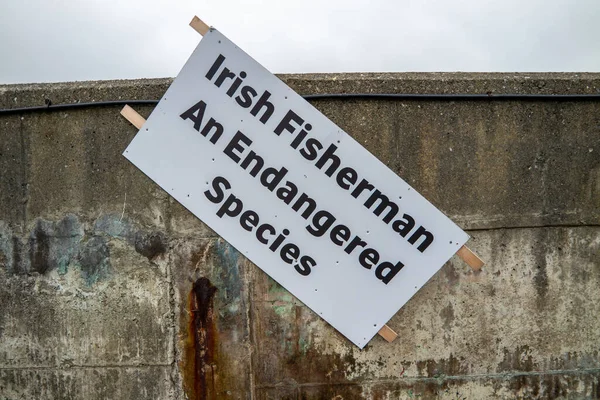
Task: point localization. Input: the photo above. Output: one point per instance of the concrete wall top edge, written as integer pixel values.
(35, 94)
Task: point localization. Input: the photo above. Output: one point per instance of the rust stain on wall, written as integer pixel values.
(199, 356)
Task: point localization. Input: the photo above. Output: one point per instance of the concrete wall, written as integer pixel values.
(111, 290)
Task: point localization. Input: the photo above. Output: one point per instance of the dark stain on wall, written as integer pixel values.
(452, 366)
(401, 389)
(17, 259)
(199, 358)
(452, 277)
(540, 279)
(150, 245)
(39, 249)
(447, 315)
(574, 360)
(553, 387)
(519, 360)
(49, 246)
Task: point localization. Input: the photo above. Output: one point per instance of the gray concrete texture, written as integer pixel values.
(109, 289)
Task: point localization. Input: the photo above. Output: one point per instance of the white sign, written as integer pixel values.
(291, 191)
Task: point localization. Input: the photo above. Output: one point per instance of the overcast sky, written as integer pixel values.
(68, 40)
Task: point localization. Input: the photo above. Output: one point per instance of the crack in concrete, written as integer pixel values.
(503, 376)
(175, 381)
(24, 180)
(532, 227)
(494, 228)
(84, 366)
(253, 340)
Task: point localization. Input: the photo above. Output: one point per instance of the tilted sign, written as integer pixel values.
(291, 191)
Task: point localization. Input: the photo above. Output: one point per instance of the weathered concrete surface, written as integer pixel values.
(530, 313)
(110, 289)
(13, 191)
(150, 382)
(81, 311)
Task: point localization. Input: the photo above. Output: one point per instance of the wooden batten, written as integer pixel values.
(133, 117)
(388, 333)
(199, 26)
(470, 258)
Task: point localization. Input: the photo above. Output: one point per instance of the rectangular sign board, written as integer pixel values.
(291, 191)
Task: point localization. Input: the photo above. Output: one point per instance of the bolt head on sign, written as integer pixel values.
(291, 191)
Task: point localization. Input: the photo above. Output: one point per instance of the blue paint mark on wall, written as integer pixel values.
(227, 277)
(94, 259)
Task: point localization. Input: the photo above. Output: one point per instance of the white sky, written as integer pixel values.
(68, 40)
